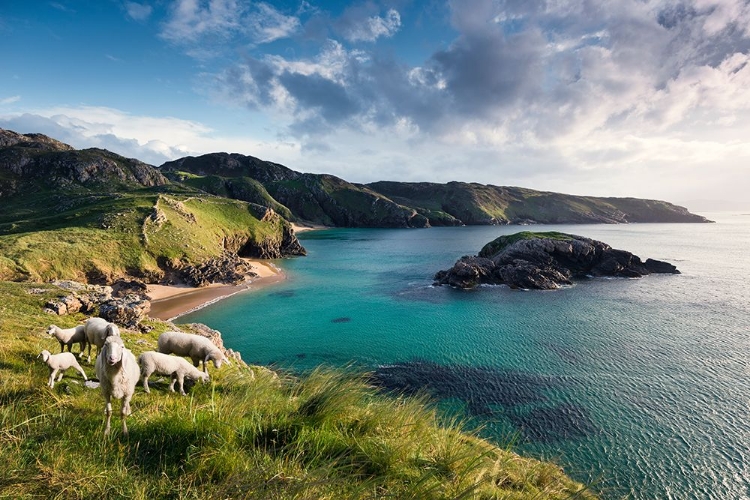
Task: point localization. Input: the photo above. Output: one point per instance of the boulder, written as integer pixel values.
(127, 311)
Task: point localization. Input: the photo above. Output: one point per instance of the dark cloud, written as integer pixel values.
(329, 98)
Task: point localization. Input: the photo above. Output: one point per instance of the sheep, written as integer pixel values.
(164, 364)
(118, 373)
(196, 347)
(97, 330)
(68, 337)
(60, 363)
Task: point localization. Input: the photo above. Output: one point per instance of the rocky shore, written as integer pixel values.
(545, 261)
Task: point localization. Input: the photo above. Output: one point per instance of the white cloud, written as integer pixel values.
(138, 11)
(268, 24)
(10, 100)
(374, 27)
(198, 23)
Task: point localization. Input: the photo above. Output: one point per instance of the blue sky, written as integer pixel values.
(647, 98)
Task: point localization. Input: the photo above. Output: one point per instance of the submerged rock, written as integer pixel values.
(545, 261)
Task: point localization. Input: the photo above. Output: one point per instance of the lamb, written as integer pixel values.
(196, 347)
(60, 363)
(118, 373)
(164, 364)
(97, 330)
(68, 337)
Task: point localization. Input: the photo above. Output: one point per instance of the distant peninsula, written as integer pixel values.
(545, 261)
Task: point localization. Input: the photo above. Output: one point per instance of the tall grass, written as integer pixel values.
(249, 433)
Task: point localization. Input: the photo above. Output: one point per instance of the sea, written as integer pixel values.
(639, 388)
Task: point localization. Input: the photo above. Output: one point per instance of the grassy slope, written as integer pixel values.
(246, 434)
(112, 236)
(500, 243)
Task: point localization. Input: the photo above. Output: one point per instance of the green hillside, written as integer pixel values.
(95, 216)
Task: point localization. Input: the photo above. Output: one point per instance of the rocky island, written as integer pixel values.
(545, 261)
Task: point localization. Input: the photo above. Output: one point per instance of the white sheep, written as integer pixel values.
(68, 337)
(196, 347)
(118, 373)
(164, 364)
(58, 363)
(97, 330)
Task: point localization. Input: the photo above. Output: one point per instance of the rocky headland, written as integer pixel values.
(546, 261)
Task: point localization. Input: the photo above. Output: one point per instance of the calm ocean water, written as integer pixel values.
(641, 387)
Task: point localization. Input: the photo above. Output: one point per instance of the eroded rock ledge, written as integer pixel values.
(545, 261)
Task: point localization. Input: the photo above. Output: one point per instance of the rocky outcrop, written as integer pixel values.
(127, 311)
(124, 302)
(280, 242)
(80, 297)
(545, 261)
(228, 268)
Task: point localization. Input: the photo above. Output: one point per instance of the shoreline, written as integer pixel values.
(169, 302)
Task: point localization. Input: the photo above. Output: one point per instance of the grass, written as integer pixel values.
(249, 433)
(101, 239)
(502, 242)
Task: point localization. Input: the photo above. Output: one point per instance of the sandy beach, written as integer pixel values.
(169, 302)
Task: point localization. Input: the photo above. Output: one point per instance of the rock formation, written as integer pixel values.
(545, 261)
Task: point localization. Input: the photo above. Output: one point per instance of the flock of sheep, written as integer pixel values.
(116, 367)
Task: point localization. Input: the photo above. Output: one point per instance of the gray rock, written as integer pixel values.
(545, 261)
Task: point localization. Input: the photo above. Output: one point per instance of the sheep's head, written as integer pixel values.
(44, 355)
(51, 329)
(112, 330)
(113, 350)
(218, 358)
(203, 377)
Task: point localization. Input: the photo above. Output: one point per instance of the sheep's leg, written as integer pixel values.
(145, 382)
(89, 355)
(83, 373)
(60, 376)
(181, 380)
(108, 412)
(62, 346)
(124, 412)
(171, 384)
(51, 382)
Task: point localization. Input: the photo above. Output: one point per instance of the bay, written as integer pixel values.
(639, 387)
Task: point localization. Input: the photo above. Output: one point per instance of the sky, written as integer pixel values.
(643, 98)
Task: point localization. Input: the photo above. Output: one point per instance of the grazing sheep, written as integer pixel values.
(97, 330)
(117, 370)
(164, 364)
(60, 363)
(68, 337)
(195, 347)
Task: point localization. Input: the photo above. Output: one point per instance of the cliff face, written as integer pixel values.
(545, 261)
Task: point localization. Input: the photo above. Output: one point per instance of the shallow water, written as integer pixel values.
(641, 387)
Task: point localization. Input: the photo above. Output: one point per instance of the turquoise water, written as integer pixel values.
(641, 387)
